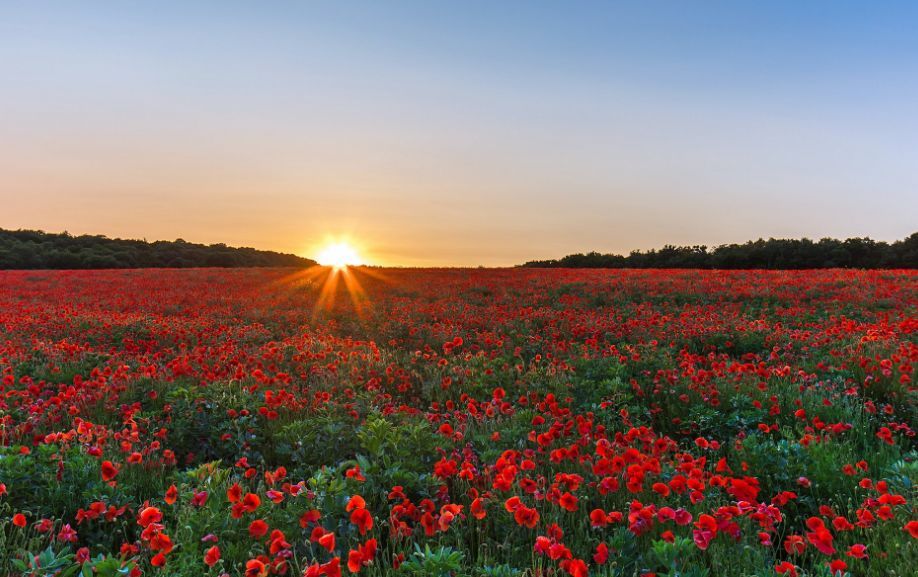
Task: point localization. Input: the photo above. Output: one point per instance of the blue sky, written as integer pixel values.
(460, 133)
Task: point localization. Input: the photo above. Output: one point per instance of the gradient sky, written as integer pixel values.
(460, 133)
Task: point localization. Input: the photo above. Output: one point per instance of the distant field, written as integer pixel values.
(456, 422)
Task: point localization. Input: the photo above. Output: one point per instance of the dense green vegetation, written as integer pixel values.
(33, 249)
(760, 254)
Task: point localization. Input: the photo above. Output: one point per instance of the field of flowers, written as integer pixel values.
(458, 423)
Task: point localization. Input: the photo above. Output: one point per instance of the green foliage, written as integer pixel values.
(398, 453)
(307, 443)
(33, 482)
(32, 249)
(439, 562)
(902, 475)
(498, 571)
(676, 559)
(63, 563)
(768, 254)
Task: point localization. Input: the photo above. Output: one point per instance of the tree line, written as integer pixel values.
(35, 249)
(757, 254)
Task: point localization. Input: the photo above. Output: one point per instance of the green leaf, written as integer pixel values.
(69, 571)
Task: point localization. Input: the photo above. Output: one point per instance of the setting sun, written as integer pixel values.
(338, 255)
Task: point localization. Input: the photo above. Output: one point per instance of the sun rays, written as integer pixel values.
(332, 283)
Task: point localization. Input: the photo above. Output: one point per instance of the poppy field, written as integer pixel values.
(458, 423)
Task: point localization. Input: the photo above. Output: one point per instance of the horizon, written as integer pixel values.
(461, 135)
(18, 251)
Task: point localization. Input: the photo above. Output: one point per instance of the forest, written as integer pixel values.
(34, 249)
(775, 254)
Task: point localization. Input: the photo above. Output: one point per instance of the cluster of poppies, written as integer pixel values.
(363, 421)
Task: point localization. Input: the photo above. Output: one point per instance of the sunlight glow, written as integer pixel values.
(334, 287)
(338, 255)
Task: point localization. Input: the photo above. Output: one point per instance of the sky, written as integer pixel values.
(460, 133)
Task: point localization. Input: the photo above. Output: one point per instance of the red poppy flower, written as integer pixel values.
(794, 545)
(602, 554)
(858, 551)
(161, 542)
(332, 568)
(250, 502)
(171, 495)
(255, 568)
(148, 516)
(842, 524)
(327, 540)
(355, 502)
(477, 508)
(258, 529)
(354, 561)
(568, 502)
(308, 517)
(67, 534)
(821, 539)
(362, 519)
(362, 556)
(109, 471)
(211, 556)
(526, 516)
(598, 518)
(706, 530)
(234, 493)
(661, 489)
(278, 542)
(575, 567)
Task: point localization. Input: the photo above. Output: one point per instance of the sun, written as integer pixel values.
(338, 255)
